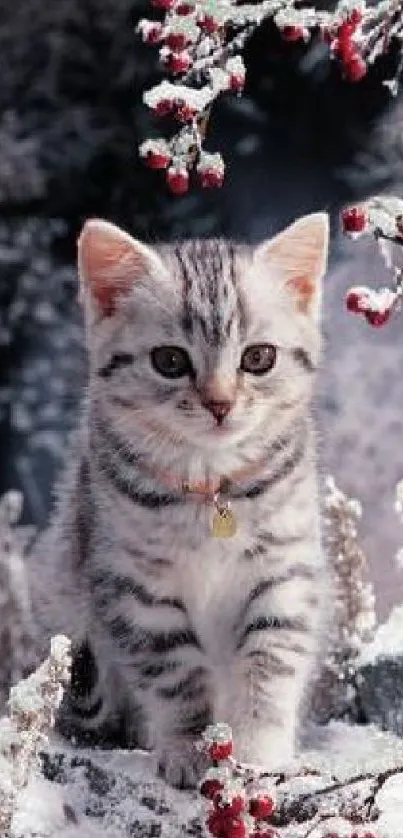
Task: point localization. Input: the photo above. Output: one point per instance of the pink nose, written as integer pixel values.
(219, 409)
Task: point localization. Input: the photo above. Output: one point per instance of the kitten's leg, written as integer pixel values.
(273, 660)
(179, 705)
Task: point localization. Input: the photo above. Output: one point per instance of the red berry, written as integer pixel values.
(211, 178)
(222, 826)
(176, 41)
(178, 62)
(178, 181)
(217, 824)
(153, 35)
(355, 68)
(264, 832)
(261, 807)
(292, 33)
(220, 750)
(345, 31)
(184, 9)
(185, 113)
(231, 809)
(163, 4)
(354, 220)
(344, 49)
(209, 24)
(164, 107)
(236, 82)
(356, 18)
(237, 830)
(377, 318)
(157, 160)
(355, 302)
(210, 788)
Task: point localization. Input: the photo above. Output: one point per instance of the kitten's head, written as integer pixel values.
(205, 341)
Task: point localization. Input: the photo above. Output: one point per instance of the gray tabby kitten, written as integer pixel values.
(202, 359)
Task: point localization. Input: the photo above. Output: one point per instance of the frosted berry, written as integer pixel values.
(344, 49)
(236, 829)
(232, 808)
(157, 160)
(178, 181)
(261, 806)
(377, 318)
(209, 24)
(220, 750)
(356, 303)
(164, 107)
(184, 113)
(154, 34)
(355, 68)
(210, 788)
(356, 18)
(217, 824)
(184, 9)
(178, 62)
(292, 33)
(163, 4)
(354, 220)
(222, 826)
(211, 178)
(345, 30)
(236, 82)
(176, 41)
(264, 832)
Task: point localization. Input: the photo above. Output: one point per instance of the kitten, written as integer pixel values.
(202, 359)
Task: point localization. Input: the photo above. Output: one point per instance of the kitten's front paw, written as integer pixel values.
(181, 764)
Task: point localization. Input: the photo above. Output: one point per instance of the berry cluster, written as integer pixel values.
(240, 803)
(201, 44)
(237, 807)
(381, 218)
(344, 42)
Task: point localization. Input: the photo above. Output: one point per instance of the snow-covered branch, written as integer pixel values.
(352, 619)
(31, 714)
(201, 45)
(243, 803)
(380, 217)
(17, 635)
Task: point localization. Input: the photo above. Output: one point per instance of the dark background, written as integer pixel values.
(301, 139)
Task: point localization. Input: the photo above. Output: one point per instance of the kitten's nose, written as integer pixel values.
(219, 409)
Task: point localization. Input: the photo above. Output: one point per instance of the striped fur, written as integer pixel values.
(171, 627)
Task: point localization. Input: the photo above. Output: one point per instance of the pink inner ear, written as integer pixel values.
(303, 289)
(109, 263)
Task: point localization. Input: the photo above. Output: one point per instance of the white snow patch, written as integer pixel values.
(388, 640)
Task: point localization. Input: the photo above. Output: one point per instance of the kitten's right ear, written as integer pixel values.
(109, 262)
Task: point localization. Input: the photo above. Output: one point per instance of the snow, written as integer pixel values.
(388, 640)
(116, 793)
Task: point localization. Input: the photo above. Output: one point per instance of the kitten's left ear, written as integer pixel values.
(109, 263)
(299, 255)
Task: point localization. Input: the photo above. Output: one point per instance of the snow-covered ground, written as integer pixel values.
(116, 794)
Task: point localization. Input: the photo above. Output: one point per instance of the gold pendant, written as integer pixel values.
(224, 523)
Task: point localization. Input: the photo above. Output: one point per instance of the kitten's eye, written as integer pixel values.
(259, 358)
(171, 361)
